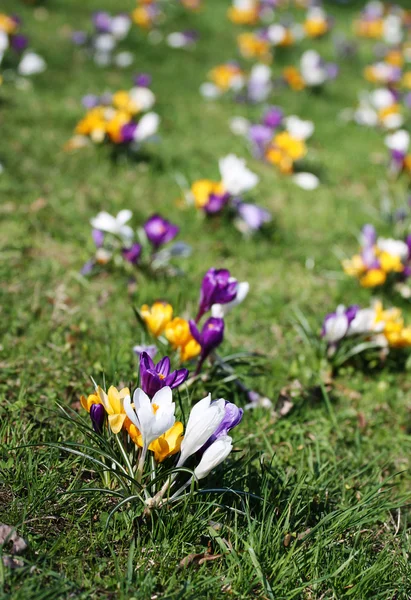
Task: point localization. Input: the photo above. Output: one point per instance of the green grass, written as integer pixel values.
(332, 520)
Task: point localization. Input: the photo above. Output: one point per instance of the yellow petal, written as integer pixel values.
(116, 422)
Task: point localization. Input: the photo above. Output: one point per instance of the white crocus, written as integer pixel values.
(393, 247)
(306, 181)
(205, 417)
(123, 59)
(143, 97)
(335, 327)
(31, 64)
(235, 175)
(219, 311)
(120, 26)
(239, 125)
(312, 68)
(213, 456)
(299, 128)
(364, 322)
(209, 90)
(147, 126)
(276, 34)
(400, 141)
(104, 43)
(259, 83)
(151, 417)
(115, 225)
(4, 43)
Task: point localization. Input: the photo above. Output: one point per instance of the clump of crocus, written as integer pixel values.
(227, 77)
(117, 243)
(14, 48)
(317, 23)
(378, 108)
(398, 144)
(354, 330)
(313, 72)
(143, 425)
(380, 260)
(147, 13)
(255, 45)
(380, 21)
(102, 43)
(213, 197)
(122, 119)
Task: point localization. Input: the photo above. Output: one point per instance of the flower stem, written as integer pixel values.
(126, 458)
(141, 462)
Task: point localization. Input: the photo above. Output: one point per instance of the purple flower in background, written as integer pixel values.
(143, 80)
(216, 203)
(79, 38)
(19, 42)
(132, 255)
(98, 237)
(88, 267)
(97, 416)
(102, 21)
(154, 377)
(217, 287)
(369, 238)
(150, 350)
(210, 337)
(90, 101)
(273, 117)
(332, 70)
(159, 231)
(254, 216)
(232, 418)
(127, 132)
(260, 136)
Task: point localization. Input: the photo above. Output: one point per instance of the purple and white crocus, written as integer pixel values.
(153, 377)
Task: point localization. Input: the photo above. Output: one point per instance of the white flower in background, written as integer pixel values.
(399, 141)
(120, 26)
(306, 181)
(276, 34)
(105, 43)
(221, 310)
(143, 97)
(123, 59)
(147, 126)
(102, 59)
(151, 417)
(312, 68)
(392, 30)
(209, 91)
(239, 125)
(393, 247)
(213, 456)
(205, 417)
(235, 175)
(177, 39)
(31, 64)
(115, 225)
(259, 83)
(299, 128)
(4, 43)
(364, 322)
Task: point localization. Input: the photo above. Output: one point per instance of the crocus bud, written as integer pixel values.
(213, 456)
(159, 231)
(217, 287)
(97, 416)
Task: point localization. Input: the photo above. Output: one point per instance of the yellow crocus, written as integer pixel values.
(354, 267)
(86, 403)
(122, 101)
(141, 17)
(243, 17)
(390, 263)
(294, 79)
(164, 446)
(190, 350)
(115, 125)
(292, 146)
(202, 190)
(7, 24)
(252, 46)
(179, 336)
(113, 403)
(315, 27)
(373, 278)
(222, 75)
(157, 316)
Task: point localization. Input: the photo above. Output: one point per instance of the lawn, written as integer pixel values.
(325, 509)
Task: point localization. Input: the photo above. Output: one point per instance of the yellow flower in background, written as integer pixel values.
(398, 336)
(179, 336)
(369, 29)
(115, 125)
(243, 17)
(86, 403)
(388, 111)
(406, 80)
(281, 160)
(390, 263)
(7, 24)
(251, 46)
(354, 267)
(202, 190)
(223, 75)
(94, 120)
(122, 101)
(294, 79)
(315, 27)
(373, 278)
(157, 316)
(394, 58)
(113, 403)
(291, 146)
(141, 17)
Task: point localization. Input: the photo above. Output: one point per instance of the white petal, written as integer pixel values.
(239, 125)
(31, 64)
(209, 90)
(124, 216)
(143, 97)
(298, 128)
(147, 126)
(130, 412)
(104, 222)
(213, 456)
(306, 181)
(235, 175)
(163, 397)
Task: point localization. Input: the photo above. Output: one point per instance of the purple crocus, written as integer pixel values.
(97, 416)
(154, 377)
(260, 136)
(79, 38)
(210, 337)
(128, 131)
(254, 216)
(369, 238)
(90, 101)
(159, 231)
(216, 203)
(19, 42)
(232, 418)
(143, 80)
(102, 21)
(88, 267)
(217, 287)
(132, 254)
(98, 237)
(273, 117)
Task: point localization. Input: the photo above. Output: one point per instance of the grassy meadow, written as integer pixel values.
(326, 514)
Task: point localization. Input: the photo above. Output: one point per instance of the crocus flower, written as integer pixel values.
(221, 310)
(97, 416)
(273, 117)
(179, 336)
(132, 254)
(159, 231)
(31, 64)
(336, 324)
(205, 417)
(151, 417)
(235, 175)
(142, 80)
(232, 418)
(19, 42)
(113, 402)
(169, 443)
(157, 316)
(154, 377)
(102, 21)
(211, 336)
(213, 456)
(217, 287)
(115, 225)
(150, 350)
(253, 216)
